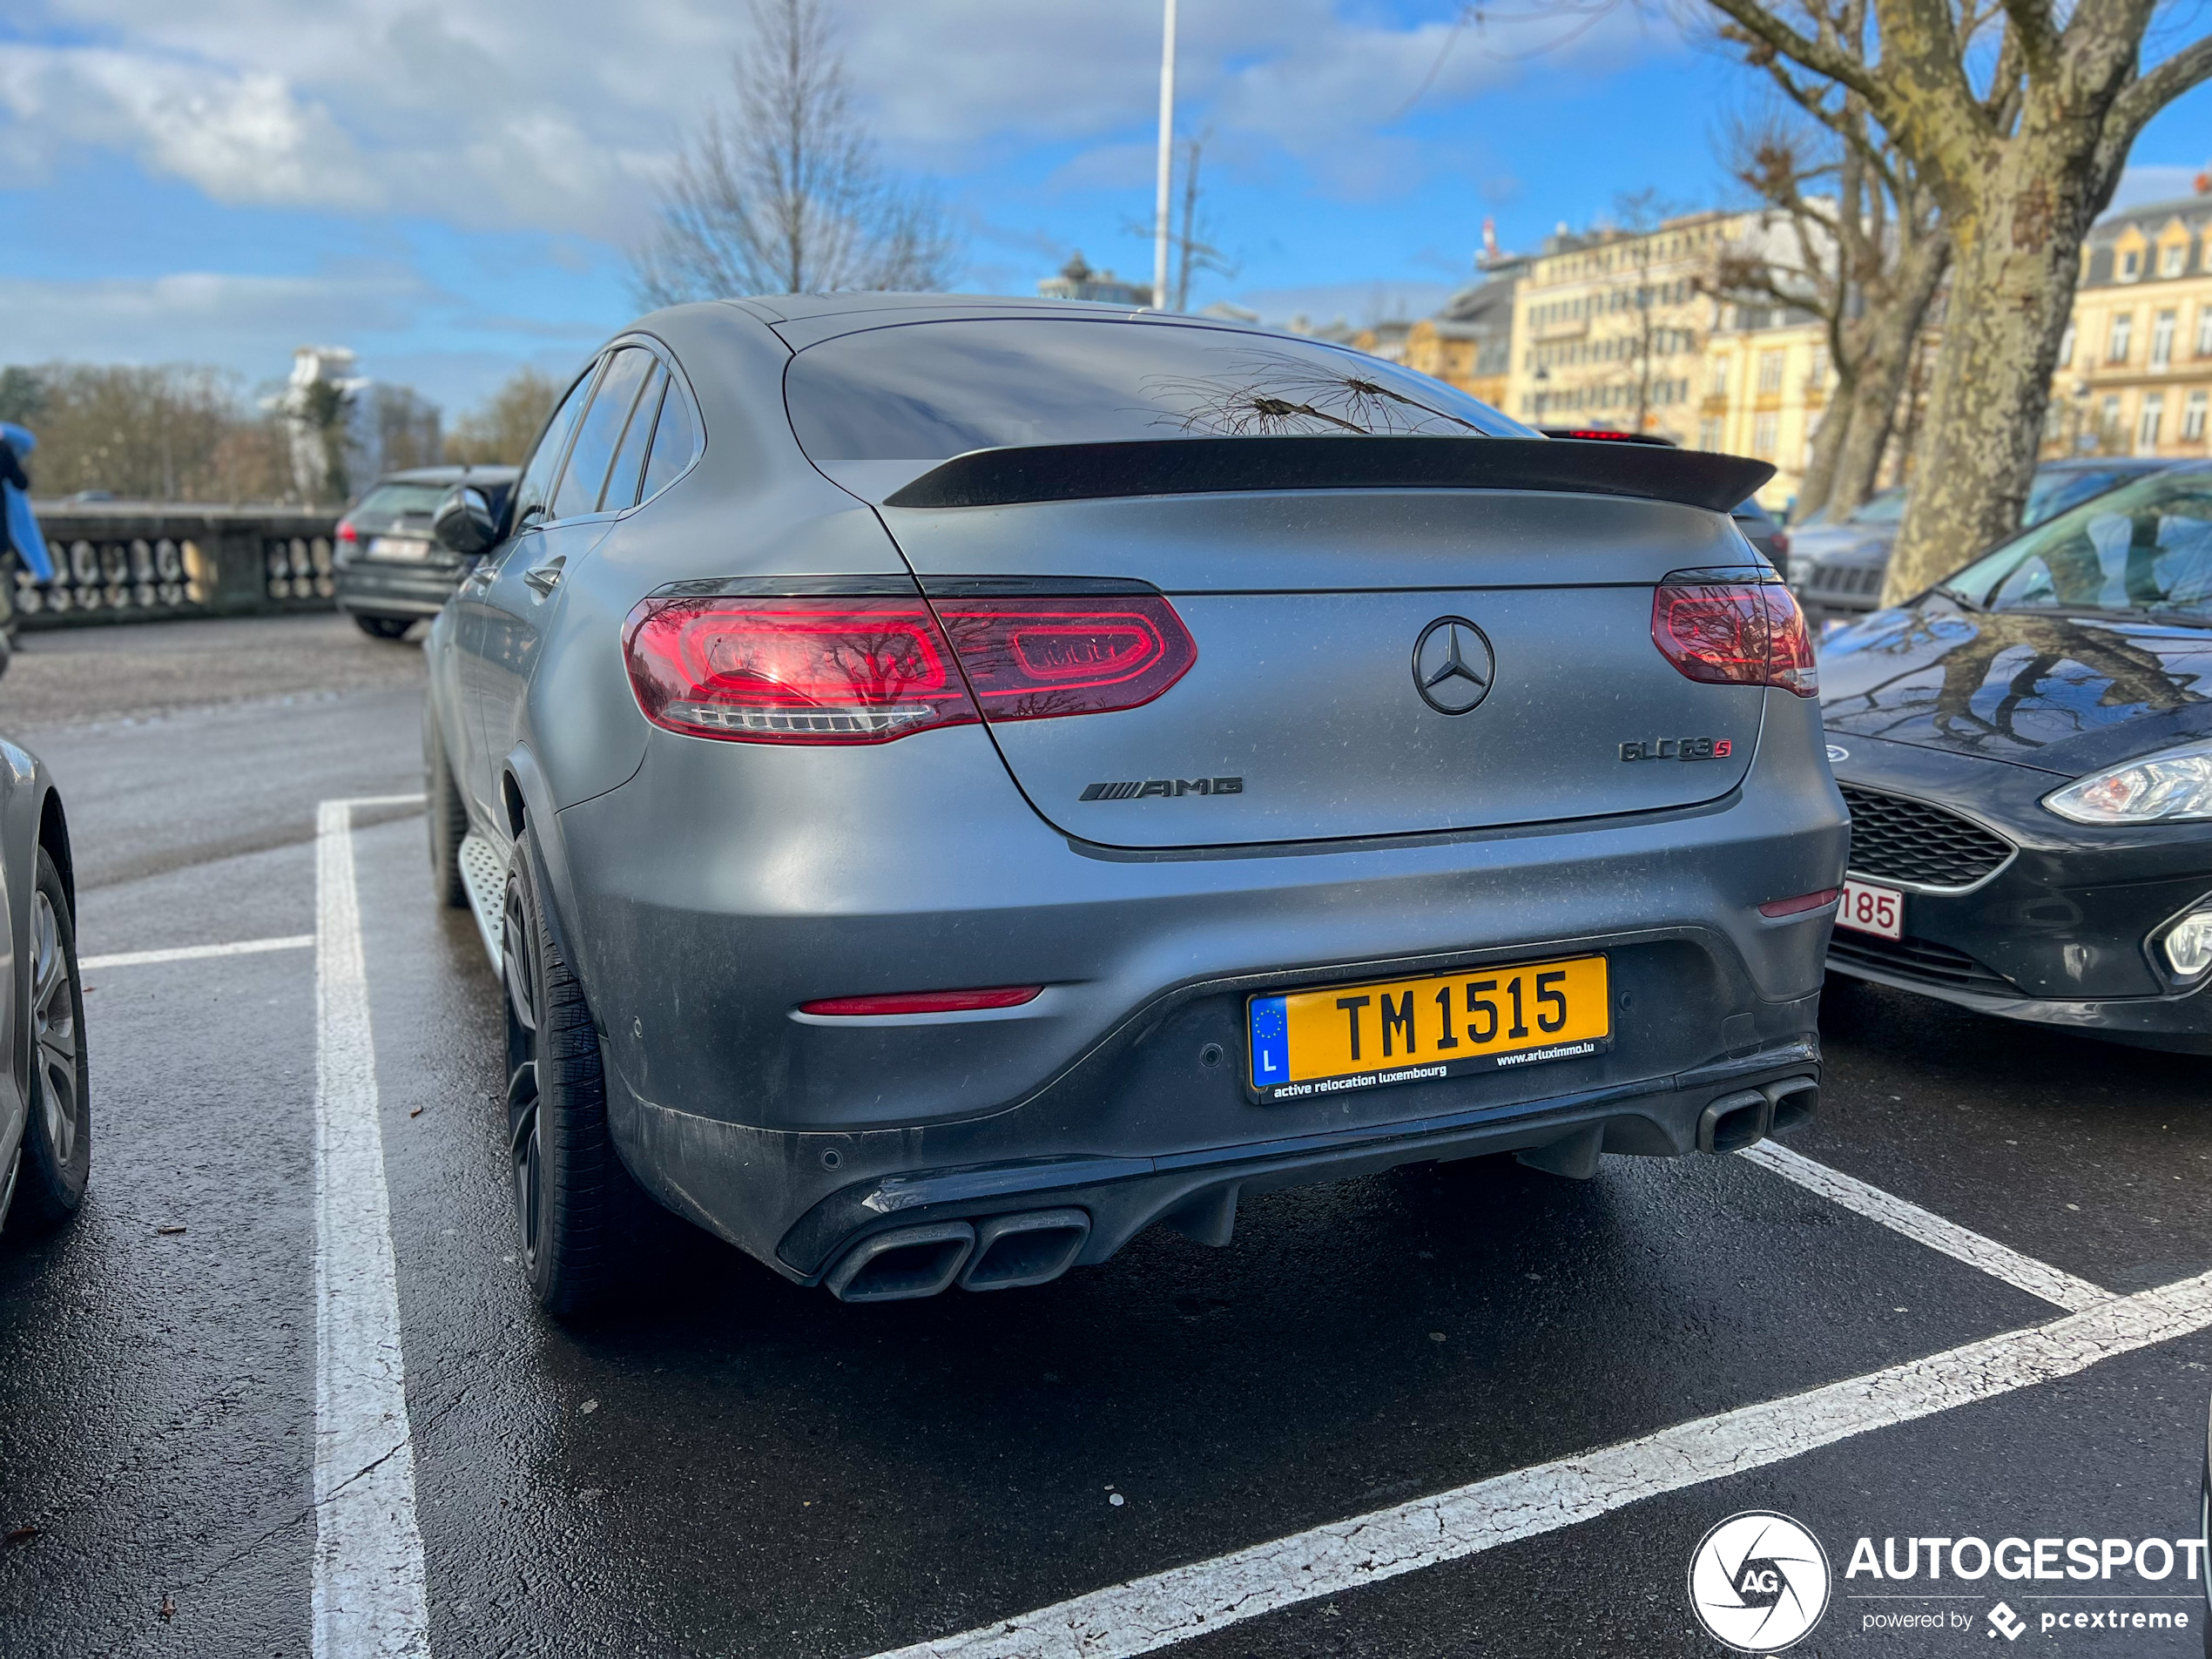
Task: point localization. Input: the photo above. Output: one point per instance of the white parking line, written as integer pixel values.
(369, 1594)
(195, 953)
(1148, 1614)
(1926, 1227)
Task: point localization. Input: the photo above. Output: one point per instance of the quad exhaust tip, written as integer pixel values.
(999, 1253)
(1736, 1121)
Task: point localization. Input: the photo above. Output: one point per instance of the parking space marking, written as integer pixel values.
(1146, 1614)
(195, 953)
(369, 1594)
(1926, 1227)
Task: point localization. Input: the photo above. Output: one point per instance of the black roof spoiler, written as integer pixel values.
(1210, 466)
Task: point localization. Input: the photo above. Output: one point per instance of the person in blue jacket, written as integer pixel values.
(19, 531)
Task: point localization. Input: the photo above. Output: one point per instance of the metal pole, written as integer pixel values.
(1167, 160)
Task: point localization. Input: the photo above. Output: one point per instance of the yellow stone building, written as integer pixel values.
(1764, 381)
(2134, 371)
(1599, 313)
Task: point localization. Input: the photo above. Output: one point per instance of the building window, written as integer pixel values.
(2204, 331)
(2108, 421)
(2122, 337)
(2170, 260)
(2161, 339)
(2146, 424)
(1709, 433)
(2066, 347)
(1717, 386)
(2193, 418)
(1770, 373)
(2131, 264)
(1766, 435)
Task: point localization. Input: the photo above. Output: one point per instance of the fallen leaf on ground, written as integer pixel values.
(417, 1112)
(20, 1536)
(166, 1231)
(168, 1605)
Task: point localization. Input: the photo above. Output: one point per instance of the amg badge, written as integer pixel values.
(1142, 789)
(1678, 749)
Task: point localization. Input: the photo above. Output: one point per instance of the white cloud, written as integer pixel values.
(558, 114)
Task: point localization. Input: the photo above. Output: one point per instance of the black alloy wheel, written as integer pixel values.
(57, 1158)
(384, 627)
(584, 1221)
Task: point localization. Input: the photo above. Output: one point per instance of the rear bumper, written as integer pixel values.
(1111, 1198)
(724, 885)
(389, 589)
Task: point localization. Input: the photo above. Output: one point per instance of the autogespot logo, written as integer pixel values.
(1758, 1581)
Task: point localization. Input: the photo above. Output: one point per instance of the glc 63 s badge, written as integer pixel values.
(1678, 749)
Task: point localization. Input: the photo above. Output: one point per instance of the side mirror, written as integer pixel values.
(464, 522)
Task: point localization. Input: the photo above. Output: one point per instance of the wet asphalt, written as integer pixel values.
(739, 1466)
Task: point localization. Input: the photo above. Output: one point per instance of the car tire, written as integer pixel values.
(384, 627)
(585, 1222)
(57, 1158)
(448, 819)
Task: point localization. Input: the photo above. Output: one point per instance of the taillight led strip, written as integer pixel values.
(828, 668)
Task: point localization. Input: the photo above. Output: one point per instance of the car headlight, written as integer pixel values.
(2173, 784)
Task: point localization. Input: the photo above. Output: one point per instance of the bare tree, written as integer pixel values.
(781, 192)
(501, 433)
(2018, 116)
(1850, 234)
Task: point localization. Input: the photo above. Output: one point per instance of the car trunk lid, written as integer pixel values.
(1303, 718)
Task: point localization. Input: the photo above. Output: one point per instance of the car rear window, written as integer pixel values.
(397, 501)
(928, 391)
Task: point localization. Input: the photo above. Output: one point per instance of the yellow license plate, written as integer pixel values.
(1409, 1030)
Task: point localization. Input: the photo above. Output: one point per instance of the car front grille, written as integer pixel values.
(1921, 960)
(1901, 839)
(1845, 581)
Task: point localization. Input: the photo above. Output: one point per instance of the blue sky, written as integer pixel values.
(450, 189)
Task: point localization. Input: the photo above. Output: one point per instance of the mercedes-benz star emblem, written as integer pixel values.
(1453, 665)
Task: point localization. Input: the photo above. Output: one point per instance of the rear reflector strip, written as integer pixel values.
(1005, 996)
(1802, 903)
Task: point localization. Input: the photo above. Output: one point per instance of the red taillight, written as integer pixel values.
(820, 670)
(1036, 659)
(1781, 540)
(793, 671)
(1006, 996)
(1733, 633)
(346, 532)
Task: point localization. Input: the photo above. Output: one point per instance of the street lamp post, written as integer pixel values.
(1167, 160)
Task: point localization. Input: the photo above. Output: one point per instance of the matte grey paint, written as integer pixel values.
(703, 889)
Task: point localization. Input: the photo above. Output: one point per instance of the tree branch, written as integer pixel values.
(1818, 56)
(2147, 96)
(2034, 36)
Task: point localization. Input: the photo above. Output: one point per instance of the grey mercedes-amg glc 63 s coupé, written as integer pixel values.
(953, 782)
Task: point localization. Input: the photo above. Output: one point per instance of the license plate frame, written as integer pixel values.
(1290, 1053)
(400, 550)
(1863, 905)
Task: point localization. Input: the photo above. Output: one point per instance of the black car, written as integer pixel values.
(2026, 751)
(391, 572)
